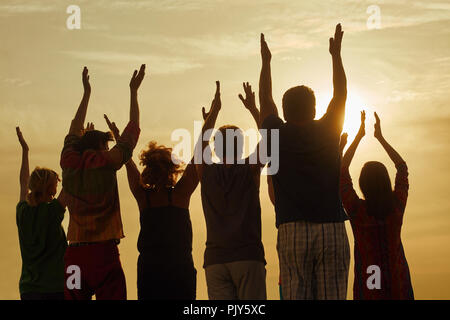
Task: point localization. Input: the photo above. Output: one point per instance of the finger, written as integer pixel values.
(377, 118)
(203, 112)
(242, 98)
(107, 120)
(217, 87)
(134, 74)
(337, 31)
(331, 42)
(142, 71)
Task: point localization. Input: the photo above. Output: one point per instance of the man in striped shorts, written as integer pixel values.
(312, 243)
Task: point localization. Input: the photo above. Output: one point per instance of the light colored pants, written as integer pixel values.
(314, 260)
(239, 280)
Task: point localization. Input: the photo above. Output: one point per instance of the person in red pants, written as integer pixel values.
(89, 179)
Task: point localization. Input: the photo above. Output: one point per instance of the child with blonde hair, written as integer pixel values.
(41, 237)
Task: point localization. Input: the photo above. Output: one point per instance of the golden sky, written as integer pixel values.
(402, 71)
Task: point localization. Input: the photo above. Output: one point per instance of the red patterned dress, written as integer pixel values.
(378, 242)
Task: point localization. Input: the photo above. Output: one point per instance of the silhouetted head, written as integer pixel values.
(94, 140)
(42, 185)
(233, 137)
(376, 186)
(160, 171)
(299, 104)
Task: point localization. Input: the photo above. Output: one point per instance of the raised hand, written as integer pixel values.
(249, 101)
(112, 126)
(335, 43)
(85, 79)
(216, 104)
(137, 78)
(377, 132)
(362, 129)
(266, 55)
(21, 139)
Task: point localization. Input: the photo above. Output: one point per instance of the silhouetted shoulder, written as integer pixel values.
(272, 122)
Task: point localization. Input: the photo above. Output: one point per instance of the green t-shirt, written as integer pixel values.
(43, 245)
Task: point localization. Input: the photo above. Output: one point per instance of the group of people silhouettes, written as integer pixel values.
(312, 193)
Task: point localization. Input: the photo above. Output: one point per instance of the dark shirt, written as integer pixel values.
(230, 198)
(42, 245)
(166, 234)
(306, 185)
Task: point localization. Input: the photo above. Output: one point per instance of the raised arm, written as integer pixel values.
(250, 102)
(395, 157)
(133, 175)
(336, 108)
(25, 167)
(209, 124)
(125, 144)
(347, 159)
(135, 83)
(343, 143)
(77, 124)
(266, 102)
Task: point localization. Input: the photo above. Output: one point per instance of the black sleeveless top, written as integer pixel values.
(166, 233)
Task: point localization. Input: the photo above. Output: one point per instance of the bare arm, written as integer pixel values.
(25, 167)
(135, 83)
(271, 191)
(133, 175)
(266, 102)
(116, 154)
(336, 108)
(77, 124)
(209, 124)
(343, 143)
(394, 155)
(348, 157)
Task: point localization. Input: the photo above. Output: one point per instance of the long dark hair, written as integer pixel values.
(376, 186)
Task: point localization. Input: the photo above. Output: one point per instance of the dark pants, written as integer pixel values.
(101, 272)
(169, 281)
(42, 296)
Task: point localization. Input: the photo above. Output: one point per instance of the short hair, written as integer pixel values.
(299, 104)
(160, 170)
(92, 140)
(220, 144)
(39, 182)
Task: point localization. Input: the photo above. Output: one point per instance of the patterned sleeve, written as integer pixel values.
(401, 184)
(128, 140)
(350, 199)
(69, 155)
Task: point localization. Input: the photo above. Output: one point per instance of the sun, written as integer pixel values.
(353, 107)
(355, 104)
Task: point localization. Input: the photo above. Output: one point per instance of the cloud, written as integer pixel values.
(159, 64)
(25, 8)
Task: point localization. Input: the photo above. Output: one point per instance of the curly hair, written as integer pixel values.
(41, 179)
(160, 168)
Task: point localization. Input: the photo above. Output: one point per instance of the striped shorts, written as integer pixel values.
(314, 260)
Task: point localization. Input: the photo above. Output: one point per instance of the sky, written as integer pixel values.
(401, 70)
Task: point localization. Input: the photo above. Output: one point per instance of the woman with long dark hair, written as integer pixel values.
(381, 269)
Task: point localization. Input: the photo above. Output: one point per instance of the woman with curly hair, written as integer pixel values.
(165, 264)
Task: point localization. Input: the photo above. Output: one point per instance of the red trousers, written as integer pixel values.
(100, 272)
